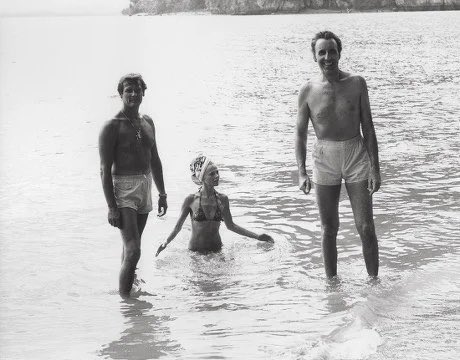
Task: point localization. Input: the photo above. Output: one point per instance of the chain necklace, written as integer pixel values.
(138, 131)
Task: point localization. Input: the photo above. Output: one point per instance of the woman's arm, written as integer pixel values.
(228, 219)
(185, 210)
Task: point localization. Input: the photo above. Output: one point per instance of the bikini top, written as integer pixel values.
(201, 216)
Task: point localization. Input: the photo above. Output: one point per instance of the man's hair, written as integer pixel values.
(326, 35)
(131, 78)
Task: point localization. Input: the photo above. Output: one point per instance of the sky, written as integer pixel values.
(61, 7)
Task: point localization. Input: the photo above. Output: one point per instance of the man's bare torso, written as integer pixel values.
(334, 107)
(132, 156)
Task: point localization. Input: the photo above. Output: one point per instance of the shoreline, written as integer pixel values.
(301, 12)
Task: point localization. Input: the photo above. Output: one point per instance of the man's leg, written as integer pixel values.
(131, 250)
(327, 198)
(141, 221)
(361, 203)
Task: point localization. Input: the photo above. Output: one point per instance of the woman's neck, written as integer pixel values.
(207, 190)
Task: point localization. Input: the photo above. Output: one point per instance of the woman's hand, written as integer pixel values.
(266, 238)
(161, 248)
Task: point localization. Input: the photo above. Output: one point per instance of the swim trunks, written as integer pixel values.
(133, 191)
(337, 160)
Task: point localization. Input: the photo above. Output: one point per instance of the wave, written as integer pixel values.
(400, 317)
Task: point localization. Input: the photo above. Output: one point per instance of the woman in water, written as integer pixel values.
(207, 208)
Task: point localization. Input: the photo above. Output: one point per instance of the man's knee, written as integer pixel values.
(330, 226)
(132, 254)
(330, 230)
(367, 232)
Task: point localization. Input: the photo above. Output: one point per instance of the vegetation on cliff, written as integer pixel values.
(245, 7)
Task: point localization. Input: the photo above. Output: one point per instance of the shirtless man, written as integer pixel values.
(129, 158)
(338, 105)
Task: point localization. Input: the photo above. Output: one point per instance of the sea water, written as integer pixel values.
(226, 86)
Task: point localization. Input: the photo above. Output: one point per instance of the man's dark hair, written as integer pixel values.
(326, 35)
(131, 78)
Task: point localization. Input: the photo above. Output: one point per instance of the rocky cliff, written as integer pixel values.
(247, 7)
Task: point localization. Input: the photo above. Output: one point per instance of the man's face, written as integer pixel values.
(132, 93)
(327, 55)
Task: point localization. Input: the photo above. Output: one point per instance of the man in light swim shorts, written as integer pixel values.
(337, 103)
(129, 159)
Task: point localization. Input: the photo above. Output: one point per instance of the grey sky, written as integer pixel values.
(61, 7)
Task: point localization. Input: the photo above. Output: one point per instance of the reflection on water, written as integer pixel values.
(227, 87)
(146, 336)
(335, 296)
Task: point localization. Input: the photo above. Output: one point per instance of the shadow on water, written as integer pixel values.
(146, 335)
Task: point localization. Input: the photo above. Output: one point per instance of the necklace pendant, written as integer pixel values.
(138, 135)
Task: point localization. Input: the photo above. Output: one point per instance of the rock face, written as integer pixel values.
(428, 5)
(248, 7)
(163, 6)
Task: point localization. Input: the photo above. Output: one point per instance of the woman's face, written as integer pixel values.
(211, 176)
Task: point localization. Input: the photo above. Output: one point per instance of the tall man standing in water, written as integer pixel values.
(337, 103)
(129, 158)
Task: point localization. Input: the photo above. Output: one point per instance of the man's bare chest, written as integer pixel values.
(327, 102)
(130, 136)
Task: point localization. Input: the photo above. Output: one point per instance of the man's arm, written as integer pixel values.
(157, 173)
(370, 139)
(107, 141)
(303, 117)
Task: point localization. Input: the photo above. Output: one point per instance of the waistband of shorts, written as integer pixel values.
(131, 177)
(340, 143)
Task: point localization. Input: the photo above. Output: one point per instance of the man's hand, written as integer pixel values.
(114, 217)
(373, 184)
(304, 183)
(162, 205)
(161, 248)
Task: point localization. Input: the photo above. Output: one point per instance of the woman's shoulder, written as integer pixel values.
(189, 199)
(222, 197)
